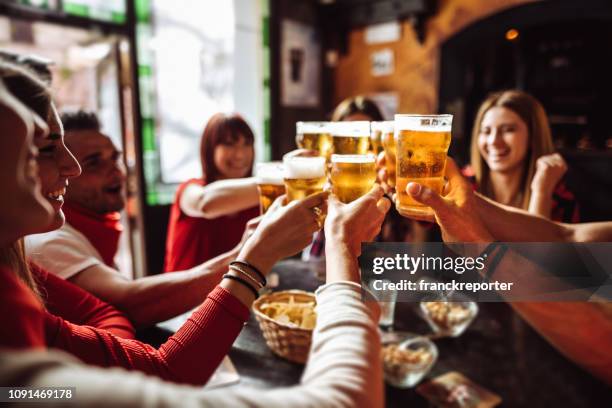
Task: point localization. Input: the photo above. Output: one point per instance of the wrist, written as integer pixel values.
(253, 255)
(340, 243)
(541, 190)
(341, 264)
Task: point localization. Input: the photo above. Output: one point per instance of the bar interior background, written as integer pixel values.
(417, 56)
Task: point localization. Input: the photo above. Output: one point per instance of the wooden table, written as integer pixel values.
(499, 351)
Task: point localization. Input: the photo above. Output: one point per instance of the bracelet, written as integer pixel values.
(245, 264)
(489, 249)
(495, 261)
(243, 283)
(247, 275)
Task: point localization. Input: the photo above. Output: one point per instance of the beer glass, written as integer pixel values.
(303, 176)
(421, 143)
(388, 143)
(376, 137)
(351, 137)
(270, 183)
(314, 136)
(352, 175)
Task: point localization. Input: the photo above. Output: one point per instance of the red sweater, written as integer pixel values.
(78, 306)
(191, 241)
(190, 356)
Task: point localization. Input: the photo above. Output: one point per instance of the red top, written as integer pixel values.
(190, 356)
(102, 230)
(191, 241)
(65, 299)
(564, 205)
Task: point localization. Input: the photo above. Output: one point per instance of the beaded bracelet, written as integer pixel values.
(243, 283)
(245, 264)
(247, 275)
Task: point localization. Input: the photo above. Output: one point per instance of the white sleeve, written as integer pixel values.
(64, 252)
(344, 369)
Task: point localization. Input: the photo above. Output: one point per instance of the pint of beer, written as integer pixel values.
(352, 175)
(314, 136)
(388, 143)
(270, 183)
(421, 142)
(376, 137)
(304, 176)
(351, 137)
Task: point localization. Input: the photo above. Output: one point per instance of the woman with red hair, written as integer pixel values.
(210, 213)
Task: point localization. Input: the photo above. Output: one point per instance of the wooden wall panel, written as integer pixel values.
(416, 65)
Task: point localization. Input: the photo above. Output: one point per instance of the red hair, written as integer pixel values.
(221, 129)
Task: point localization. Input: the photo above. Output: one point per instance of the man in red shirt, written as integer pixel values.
(84, 250)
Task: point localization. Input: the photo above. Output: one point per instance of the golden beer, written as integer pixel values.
(352, 176)
(388, 143)
(268, 193)
(351, 137)
(304, 176)
(314, 136)
(422, 143)
(270, 183)
(375, 140)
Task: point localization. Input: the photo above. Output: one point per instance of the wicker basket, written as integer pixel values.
(291, 343)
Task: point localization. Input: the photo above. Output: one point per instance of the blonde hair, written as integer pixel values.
(13, 257)
(531, 111)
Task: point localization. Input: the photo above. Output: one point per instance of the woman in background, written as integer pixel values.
(513, 160)
(357, 108)
(210, 213)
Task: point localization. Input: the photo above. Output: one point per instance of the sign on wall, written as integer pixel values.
(300, 70)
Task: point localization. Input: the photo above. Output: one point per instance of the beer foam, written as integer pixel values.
(270, 179)
(304, 167)
(269, 173)
(386, 126)
(353, 158)
(351, 129)
(313, 127)
(424, 123)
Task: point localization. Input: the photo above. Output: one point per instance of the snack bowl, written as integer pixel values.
(287, 319)
(407, 358)
(449, 317)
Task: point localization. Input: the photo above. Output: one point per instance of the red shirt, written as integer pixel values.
(190, 356)
(65, 299)
(102, 230)
(191, 241)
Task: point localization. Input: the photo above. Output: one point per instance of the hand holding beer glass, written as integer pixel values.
(422, 143)
(314, 136)
(351, 137)
(270, 183)
(352, 175)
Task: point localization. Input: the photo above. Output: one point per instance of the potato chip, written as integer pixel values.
(292, 313)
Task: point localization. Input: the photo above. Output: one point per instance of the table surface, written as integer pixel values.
(498, 351)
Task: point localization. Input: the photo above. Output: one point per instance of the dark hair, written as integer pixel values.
(26, 86)
(221, 129)
(80, 120)
(358, 104)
